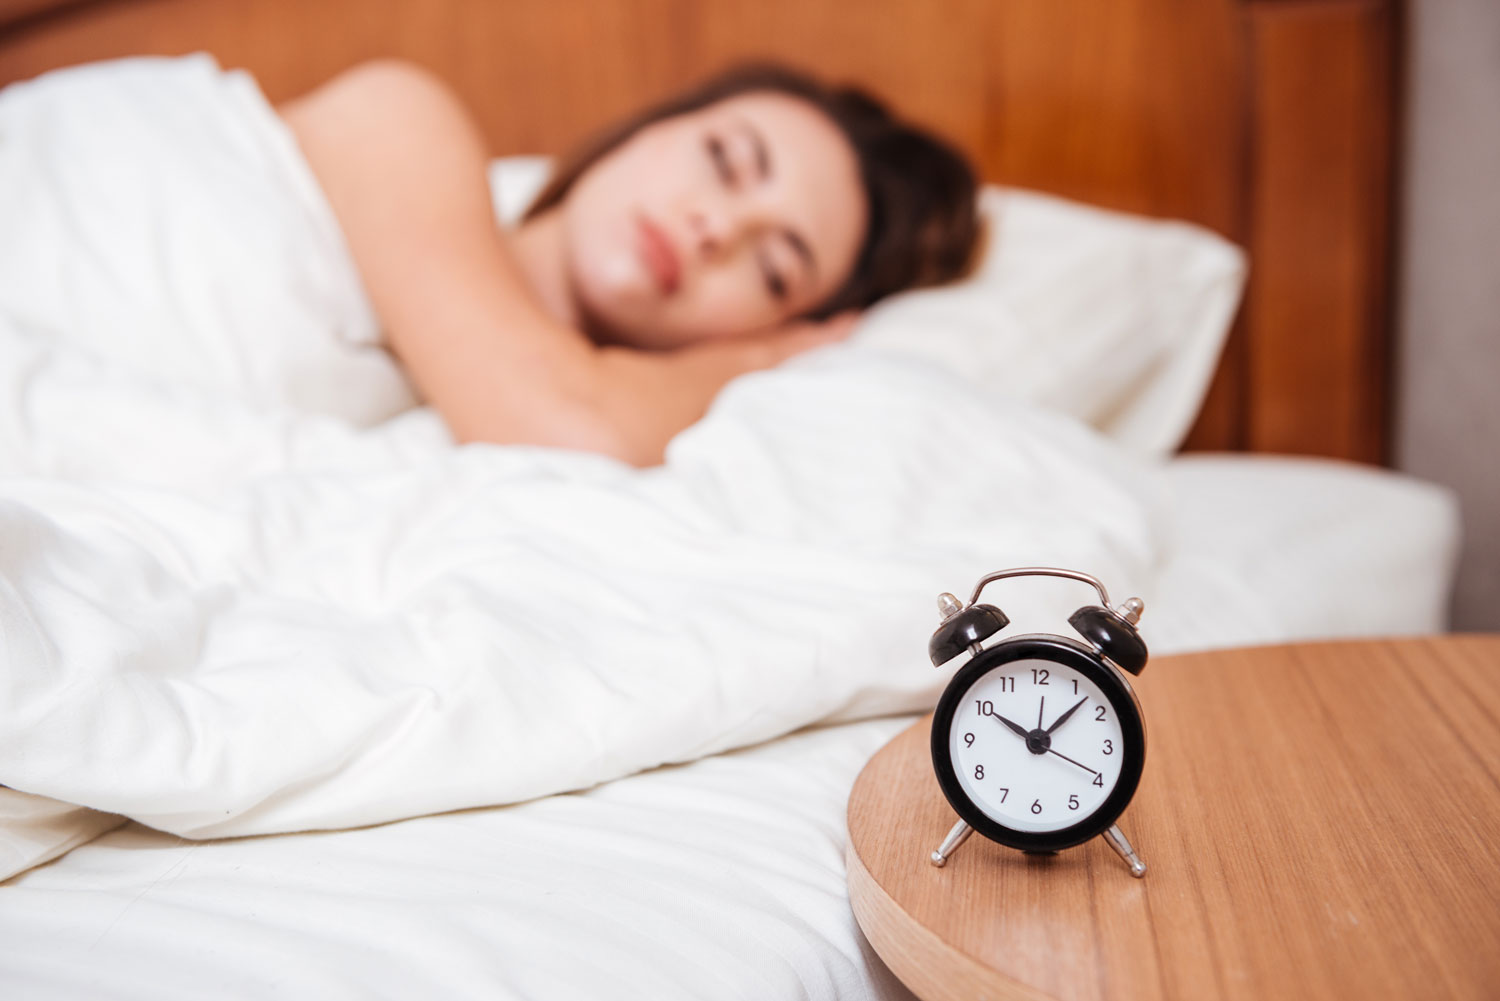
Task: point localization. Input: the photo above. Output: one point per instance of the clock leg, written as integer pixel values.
(1120, 844)
(956, 837)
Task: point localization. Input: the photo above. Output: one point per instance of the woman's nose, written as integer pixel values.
(716, 229)
(709, 233)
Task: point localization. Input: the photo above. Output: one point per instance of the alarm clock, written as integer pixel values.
(1038, 740)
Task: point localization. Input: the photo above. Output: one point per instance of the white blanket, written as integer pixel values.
(228, 607)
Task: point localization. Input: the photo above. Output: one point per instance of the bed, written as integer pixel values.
(721, 878)
(685, 851)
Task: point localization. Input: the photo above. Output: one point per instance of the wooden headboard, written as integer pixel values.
(1269, 121)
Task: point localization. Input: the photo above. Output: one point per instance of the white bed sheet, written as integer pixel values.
(719, 879)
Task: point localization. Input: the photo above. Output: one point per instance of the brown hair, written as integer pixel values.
(919, 191)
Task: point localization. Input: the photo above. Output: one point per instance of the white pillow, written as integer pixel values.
(1112, 318)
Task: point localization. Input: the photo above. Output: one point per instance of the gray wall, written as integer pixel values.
(1447, 420)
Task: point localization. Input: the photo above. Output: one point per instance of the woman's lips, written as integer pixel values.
(660, 256)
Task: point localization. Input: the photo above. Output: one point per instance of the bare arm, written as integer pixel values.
(404, 168)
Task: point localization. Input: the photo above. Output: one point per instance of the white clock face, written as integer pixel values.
(1037, 746)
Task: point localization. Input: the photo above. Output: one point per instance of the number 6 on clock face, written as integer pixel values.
(1038, 743)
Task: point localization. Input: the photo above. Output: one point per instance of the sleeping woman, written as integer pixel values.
(721, 232)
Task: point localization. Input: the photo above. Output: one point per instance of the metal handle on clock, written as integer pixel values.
(1041, 572)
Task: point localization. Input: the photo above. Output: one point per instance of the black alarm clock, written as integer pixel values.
(1038, 741)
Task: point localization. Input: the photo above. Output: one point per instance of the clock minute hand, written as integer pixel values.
(1080, 764)
(1064, 717)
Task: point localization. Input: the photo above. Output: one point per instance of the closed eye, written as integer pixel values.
(720, 158)
(775, 284)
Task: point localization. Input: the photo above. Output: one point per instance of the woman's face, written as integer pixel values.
(726, 220)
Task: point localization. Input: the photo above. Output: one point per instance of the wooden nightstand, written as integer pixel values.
(1320, 820)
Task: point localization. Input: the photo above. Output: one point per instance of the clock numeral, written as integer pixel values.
(1073, 802)
(1039, 677)
(1099, 713)
(1004, 793)
(1007, 683)
(1109, 747)
(1099, 780)
(985, 707)
(1075, 686)
(968, 740)
(979, 771)
(1036, 806)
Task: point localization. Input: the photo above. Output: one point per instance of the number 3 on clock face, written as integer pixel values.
(1039, 743)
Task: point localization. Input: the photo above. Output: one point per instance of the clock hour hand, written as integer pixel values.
(1064, 717)
(1020, 730)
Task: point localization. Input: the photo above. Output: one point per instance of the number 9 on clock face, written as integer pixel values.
(1038, 743)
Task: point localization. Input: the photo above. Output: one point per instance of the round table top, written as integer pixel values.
(1318, 820)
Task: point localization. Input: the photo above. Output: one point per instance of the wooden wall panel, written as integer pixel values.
(1261, 120)
(1320, 234)
(1127, 104)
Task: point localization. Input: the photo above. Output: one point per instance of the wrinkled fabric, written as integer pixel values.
(237, 598)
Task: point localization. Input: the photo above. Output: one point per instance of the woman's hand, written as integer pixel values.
(770, 349)
(652, 395)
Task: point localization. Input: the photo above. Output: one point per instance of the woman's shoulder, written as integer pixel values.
(403, 96)
(391, 76)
